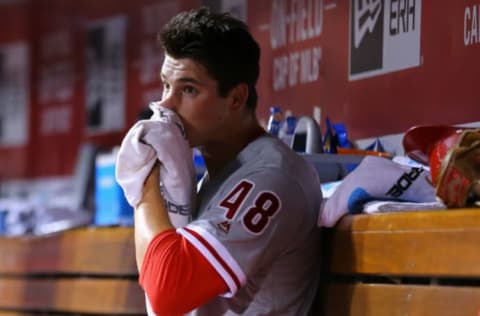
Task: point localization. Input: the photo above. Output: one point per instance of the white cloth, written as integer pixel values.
(397, 206)
(376, 179)
(161, 138)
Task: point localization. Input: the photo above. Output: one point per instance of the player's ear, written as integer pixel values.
(238, 96)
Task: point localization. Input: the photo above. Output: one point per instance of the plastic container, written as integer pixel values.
(288, 129)
(307, 137)
(111, 206)
(274, 121)
(341, 134)
(330, 140)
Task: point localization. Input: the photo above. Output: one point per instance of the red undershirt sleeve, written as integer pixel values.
(176, 277)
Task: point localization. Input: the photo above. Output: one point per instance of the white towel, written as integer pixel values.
(376, 179)
(161, 138)
(398, 206)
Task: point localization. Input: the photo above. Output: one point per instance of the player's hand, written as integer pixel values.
(152, 183)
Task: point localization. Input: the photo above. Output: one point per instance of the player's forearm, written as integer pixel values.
(151, 218)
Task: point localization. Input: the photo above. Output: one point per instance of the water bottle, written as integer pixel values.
(274, 121)
(330, 140)
(288, 129)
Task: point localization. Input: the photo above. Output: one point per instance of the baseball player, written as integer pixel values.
(253, 245)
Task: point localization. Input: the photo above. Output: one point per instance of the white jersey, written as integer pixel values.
(256, 225)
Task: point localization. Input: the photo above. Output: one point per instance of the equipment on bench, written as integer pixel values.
(453, 155)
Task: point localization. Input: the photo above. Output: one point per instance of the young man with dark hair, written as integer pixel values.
(253, 245)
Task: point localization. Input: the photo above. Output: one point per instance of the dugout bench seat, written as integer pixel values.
(409, 263)
(86, 271)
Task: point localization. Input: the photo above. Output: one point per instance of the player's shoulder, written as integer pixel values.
(270, 156)
(271, 165)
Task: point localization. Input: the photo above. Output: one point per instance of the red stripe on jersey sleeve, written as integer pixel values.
(216, 255)
(176, 277)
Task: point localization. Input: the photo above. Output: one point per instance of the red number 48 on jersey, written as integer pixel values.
(257, 215)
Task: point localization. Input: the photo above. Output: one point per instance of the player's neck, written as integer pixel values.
(217, 155)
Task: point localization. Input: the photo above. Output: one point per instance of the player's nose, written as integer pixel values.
(169, 101)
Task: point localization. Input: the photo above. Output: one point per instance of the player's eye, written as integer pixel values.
(190, 90)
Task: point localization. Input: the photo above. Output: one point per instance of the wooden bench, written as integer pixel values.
(82, 271)
(409, 263)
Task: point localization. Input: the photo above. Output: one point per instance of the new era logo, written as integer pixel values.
(366, 14)
(384, 36)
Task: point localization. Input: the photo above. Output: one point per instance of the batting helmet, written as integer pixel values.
(453, 154)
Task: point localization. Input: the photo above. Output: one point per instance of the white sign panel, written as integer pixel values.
(14, 94)
(384, 36)
(56, 82)
(105, 75)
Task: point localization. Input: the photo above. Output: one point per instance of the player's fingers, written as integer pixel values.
(153, 178)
